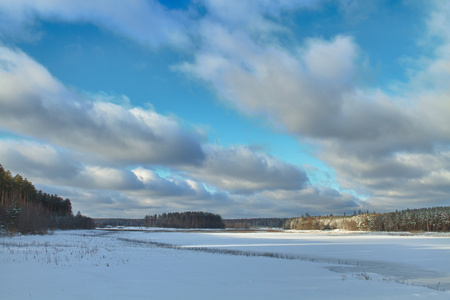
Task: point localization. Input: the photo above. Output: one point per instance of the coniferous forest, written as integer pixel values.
(188, 219)
(435, 219)
(255, 223)
(25, 209)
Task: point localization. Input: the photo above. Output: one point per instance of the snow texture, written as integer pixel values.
(208, 264)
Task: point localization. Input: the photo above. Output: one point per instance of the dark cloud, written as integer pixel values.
(241, 170)
(261, 185)
(314, 200)
(38, 161)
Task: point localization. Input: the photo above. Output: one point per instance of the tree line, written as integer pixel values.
(188, 219)
(424, 219)
(255, 223)
(25, 209)
(435, 219)
(114, 222)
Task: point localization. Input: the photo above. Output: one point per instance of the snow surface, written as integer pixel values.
(99, 264)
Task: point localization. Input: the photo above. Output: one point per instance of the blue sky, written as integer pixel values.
(243, 108)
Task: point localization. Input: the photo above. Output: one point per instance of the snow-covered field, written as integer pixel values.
(99, 264)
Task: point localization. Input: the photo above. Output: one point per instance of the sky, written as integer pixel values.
(242, 108)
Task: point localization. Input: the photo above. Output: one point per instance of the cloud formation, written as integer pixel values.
(106, 186)
(86, 147)
(147, 22)
(366, 134)
(241, 170)
(389, 145)
(35, 104)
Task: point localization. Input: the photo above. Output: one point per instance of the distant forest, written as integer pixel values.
(255, 223)
(114, 222)
(25, 209)
(184, 220)
(157, 221)
(435, 219)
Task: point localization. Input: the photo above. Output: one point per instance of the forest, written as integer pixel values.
(116, 222)
(435, 219)
(255, 223)
(25, 209)
(185, 220)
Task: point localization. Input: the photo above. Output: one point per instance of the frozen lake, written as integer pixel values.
(224, 265)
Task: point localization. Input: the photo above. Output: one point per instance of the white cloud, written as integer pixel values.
(147, 22)
(439, 20)
(391, 147)
(87, 149)
(364, 133)
(304, 92)
(35, 104)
